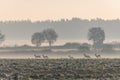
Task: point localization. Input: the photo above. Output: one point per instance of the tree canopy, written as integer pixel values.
(97, 35)
(37, 38)
(50, 35)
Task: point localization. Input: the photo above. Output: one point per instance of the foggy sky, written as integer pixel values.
(57, 9)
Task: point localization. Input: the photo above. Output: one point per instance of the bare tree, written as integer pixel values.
(37, 39)
(50, 36)
(97, 35)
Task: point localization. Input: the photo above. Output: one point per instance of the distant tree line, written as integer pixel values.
(64, 27)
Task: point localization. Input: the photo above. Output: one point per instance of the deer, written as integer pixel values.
(45, 57)
(97, 55)
(71, 57)
(86, 56)
(37, 56)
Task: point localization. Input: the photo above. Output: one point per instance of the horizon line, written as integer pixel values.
(28, 19)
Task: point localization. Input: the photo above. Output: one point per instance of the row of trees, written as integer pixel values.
(95, 34)
(49, 35)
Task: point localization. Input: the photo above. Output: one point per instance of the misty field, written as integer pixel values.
(60, 69)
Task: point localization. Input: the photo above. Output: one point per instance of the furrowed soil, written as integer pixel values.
(60, 69)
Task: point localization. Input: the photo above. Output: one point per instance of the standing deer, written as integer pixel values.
(37, 56)
(97, 55)
(70, 57)
(86, 56)
(45, 57)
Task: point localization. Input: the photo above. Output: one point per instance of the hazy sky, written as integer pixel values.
(57, 9)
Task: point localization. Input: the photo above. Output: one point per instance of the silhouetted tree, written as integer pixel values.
(50, 36)
(97, 35)
(37, 39)
(2, 37)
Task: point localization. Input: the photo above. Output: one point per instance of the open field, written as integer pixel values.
(29, 52)
(60, 69)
